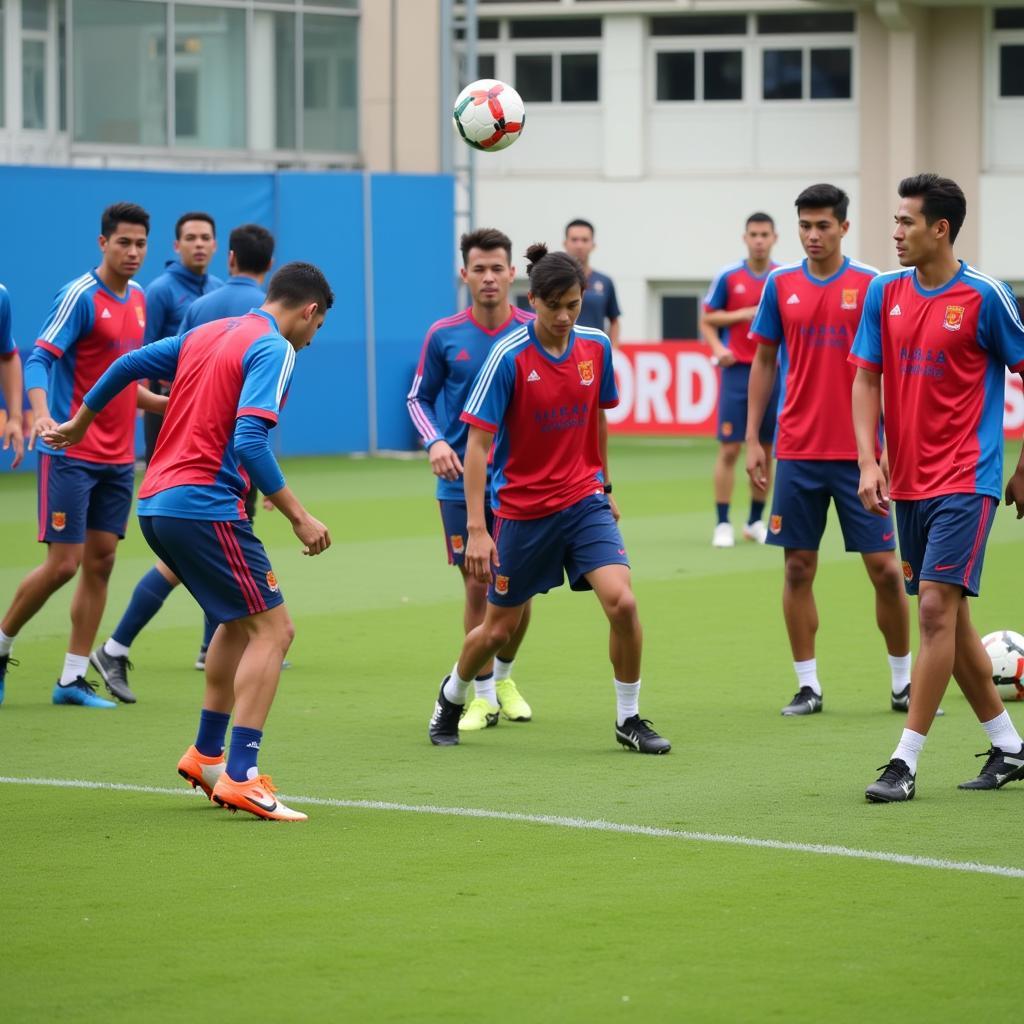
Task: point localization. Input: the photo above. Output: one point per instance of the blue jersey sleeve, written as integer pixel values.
(159, 359)
(1000, 330)
(7, 346)
(158, 300)
(252, 446)
(718, 293)
(71, 315)
(491, 392)
(867, 345)
(426, 386)
(267, 371)
(767, 324)
(611, 309)
(609, 396)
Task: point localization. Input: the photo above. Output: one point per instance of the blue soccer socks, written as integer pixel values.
(213, 727)
(245, 749)
(147, 599)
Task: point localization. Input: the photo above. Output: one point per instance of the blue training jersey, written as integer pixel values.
(235, 297)
(7, 345)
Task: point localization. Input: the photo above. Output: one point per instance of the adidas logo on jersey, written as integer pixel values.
(534, 375)
(896, 311)
(105, 315)
(739, 289)
(793, 300)
(462, 356)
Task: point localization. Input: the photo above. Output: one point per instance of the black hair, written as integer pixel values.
(818, 197)
(552, 274)
(579, 222)
(297, 284)
(253, 246)
(194, 215)
(486, 239)
(941, 199)
(122, 213)
(760, 218)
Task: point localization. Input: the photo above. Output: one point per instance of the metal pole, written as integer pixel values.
(447, 41)
(371, 320)
(472, 26)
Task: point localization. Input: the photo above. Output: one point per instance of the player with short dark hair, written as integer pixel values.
(249, 259)
(729, 307)
(453, 353)
(170, 294)
(539, 401)
(600, 303)
(12, 383)
(84, 496)
(937, 336)
(806, 322)
(231, 380)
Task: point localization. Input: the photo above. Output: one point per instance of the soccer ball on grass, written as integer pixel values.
(489, 115)
(1006, 649)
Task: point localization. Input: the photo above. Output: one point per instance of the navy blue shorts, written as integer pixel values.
(803, 488)
(75, 496)
(536, 553)
(943, 539)
(734, 382)
(453, 521)
(223, 565)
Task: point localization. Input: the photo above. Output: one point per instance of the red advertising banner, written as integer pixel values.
(671, 387)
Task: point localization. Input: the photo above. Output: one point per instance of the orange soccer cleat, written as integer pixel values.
(255, 796)
(199, 770)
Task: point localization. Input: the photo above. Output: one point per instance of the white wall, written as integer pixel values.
(1001, 213)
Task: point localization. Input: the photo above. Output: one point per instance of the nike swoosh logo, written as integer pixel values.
(622, 551)
(888, 536)
(268, 807)
(944, 568)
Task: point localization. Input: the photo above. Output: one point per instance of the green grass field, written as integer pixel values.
(149, 904)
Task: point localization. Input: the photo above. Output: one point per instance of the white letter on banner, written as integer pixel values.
(694, 374)
(653, 380)
(624, 384)
(1013, 407)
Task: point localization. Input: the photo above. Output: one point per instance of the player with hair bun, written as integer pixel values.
(539, 400)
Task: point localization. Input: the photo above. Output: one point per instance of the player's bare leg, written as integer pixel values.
(972, 668)
(59, 567)
(227, 646)
(801, 615)
(938, 606)
(892, 614)
(268, 634)
(725, 478)
(90, 597)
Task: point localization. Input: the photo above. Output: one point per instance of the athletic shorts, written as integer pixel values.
(223, 565)
(75, 496)
(535, 554)
(803, 488)
(943, 539)
(734, 382)
(456, 536)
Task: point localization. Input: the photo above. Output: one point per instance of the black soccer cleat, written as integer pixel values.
(896, 783)
(6, 661)
(999, 769)
(636, 734)
(444, 722)
(804, 702)
(901, 702)
(114, 673)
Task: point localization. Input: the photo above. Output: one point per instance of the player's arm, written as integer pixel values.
(615, 331)
(602, 445)
(481, 553)
(426, 386)
(759, 393)
(709, 332)
(867, 407)
(1015, 485)
(728, 317)
(11, 386)
(147, 401)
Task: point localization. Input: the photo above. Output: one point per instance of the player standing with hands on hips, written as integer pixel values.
(937, 336)
(540, 398)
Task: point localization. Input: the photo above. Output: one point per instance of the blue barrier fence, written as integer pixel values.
(385, 242)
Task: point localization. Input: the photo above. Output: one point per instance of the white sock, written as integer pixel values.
(115, 650)
(502, 669)
(456, 688)
(910, 746)
(484, 687)
(6, 643)
(627, 700)
(1002, 734)
(75, 665)
(807, 674)
(900, 668)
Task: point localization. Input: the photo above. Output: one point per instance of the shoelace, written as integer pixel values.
(993, 754)
(645, 725)
(264, 781)
(82, 683)
(892, 773)
(126, 662)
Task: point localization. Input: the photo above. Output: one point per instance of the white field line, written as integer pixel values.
(585, 824)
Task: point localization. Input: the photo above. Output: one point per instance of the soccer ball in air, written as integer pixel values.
(489, 115)
(1006, 649)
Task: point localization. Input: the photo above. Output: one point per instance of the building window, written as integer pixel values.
(1008, 23)
(275, 92)
(814, 23)
(680, 316)
(329, 84)
(782, 74)
(812, 73)
(1011, 69)
(699, 25)
(690, 75)
(535, 77)
(35, 44)
(677, 75)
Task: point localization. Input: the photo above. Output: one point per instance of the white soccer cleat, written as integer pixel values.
(723, 537)
(756, 531)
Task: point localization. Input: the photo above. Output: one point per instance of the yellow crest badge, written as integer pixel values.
(140, 315)
(58, 520)
(775, 524)
(272, 581)
(908, 572)
(458, 545)
(849, 298)
(501, 584)
(953, 318)
(586, 368)
(727, 429)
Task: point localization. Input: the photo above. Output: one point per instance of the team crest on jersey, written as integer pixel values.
(908, 572)
(140, 315)
(849, 298)
(501, 584)
(58, 520)
(953, 318)
(458, 545)
(727, 429)
(586, 368)
(271, 581)
(775, 524)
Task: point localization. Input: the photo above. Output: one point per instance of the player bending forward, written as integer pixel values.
(937, 335)
(542, 391)
(230, 380)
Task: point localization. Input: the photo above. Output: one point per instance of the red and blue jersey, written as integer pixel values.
(544, 411)
(813, 322)
(942, 355)
(7, 345)
(453, 353)
(88, 327)
(221, 372)
(736, 287)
